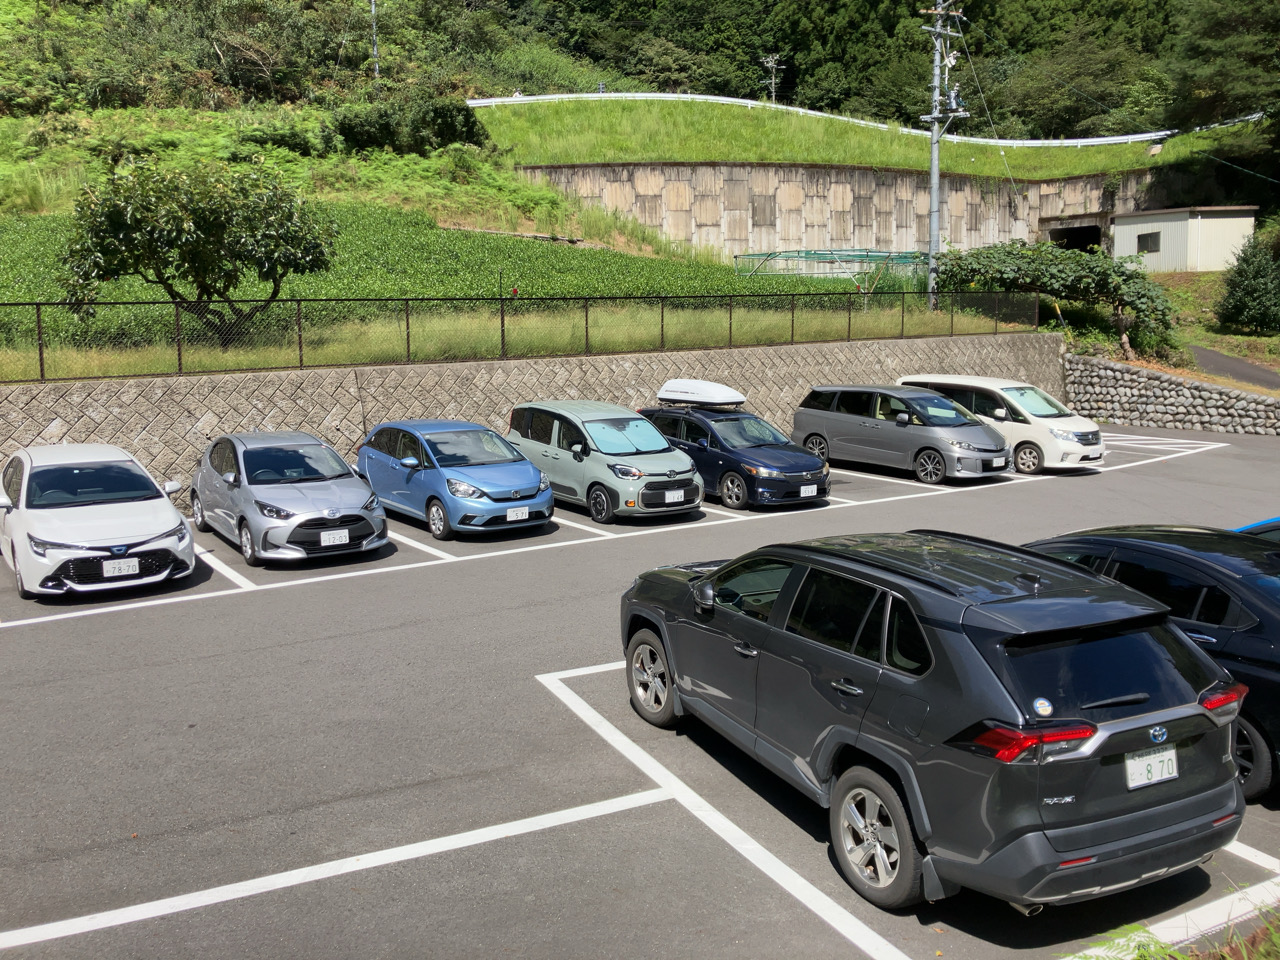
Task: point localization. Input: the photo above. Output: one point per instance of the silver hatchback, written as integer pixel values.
(284, 496)
(906, 427)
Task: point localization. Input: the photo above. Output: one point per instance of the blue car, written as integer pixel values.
(460, 477)
(1267, 529)
(742, 457)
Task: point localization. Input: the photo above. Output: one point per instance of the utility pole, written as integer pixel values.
(373, 12)
(772, 63)
(946, 106)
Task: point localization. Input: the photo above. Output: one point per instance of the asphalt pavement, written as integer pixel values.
(1237, 368)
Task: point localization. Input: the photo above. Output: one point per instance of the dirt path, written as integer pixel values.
(1222, 365)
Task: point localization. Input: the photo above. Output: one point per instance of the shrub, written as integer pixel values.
(1252, 297)
(414, 121)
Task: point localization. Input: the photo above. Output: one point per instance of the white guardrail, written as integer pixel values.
(765, 105)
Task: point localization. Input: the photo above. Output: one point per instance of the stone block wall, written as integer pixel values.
(1118, 393)
(167, 421)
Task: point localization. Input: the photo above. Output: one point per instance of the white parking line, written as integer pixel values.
(244, 583)
(723, 513)
(1264, 860)
(561, 521)
(1161, 458)
(841, 920)
(409, 541)
(324, 871)
(875, 476)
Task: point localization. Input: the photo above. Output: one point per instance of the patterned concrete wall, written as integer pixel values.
(167, 421)
(758, 208)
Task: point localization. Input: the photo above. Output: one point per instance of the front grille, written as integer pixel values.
(329, 523)
(675, 484)
(307, 534)
(514, 496)
(804, 477)
(1089, 438)
(655, 494)
(88, 570)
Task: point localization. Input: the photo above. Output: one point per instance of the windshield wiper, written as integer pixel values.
(1121, 701)
(98, 503)
(305, 479)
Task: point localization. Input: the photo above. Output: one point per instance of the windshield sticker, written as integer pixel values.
(1043, 707)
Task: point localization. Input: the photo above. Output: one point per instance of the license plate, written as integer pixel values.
(518, 513)
(1146, 767)
(120, 568)
(331, 538)
(998, 462)
(675, 496)
(809, 490)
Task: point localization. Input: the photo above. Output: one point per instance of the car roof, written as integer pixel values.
(433, 426)
(1238, 554)
(582, 409)
(1260, 525)
(272, 438)
(55, 453)
(892, 389)
(994, 383)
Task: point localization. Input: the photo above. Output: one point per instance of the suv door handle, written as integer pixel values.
(844, 686)
(746, 650)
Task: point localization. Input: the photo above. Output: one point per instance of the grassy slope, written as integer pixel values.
(1193, 295)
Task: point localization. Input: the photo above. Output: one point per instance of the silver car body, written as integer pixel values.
(289, 517)
(61, 531)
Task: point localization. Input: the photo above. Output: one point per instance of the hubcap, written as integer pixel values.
(649, 678)
(1027, 459)
(599, 505)
(198, 509)
(437, 519)
(870, 838)
(246, 542)
(930, 467)
(818, 447)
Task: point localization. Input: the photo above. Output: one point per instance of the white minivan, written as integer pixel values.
(1043, 433)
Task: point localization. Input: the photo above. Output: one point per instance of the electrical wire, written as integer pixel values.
(985, 109)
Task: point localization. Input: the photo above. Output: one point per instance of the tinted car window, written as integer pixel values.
(540, 423)
(830, 609)
(694, 431)
(961, 395)
(1095, 559)
(13, 480)
(384, 441)
(83, 485)
(668, 425)
(858, 403)
(569, 435)
(752, 587)
(222, 458)
(1176, 592)
(888, 408)
(520, 421)
(905, 647)
(818, 400)
(984, 404)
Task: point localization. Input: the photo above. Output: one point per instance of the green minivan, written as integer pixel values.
(606, 457)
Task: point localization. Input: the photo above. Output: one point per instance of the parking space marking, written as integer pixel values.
(324, 871)
(243, 582)
(1264, 860)
(841, 920)
(1160, 458)
(722, 513)
(409, 541)
(874, 476)
(561, 521)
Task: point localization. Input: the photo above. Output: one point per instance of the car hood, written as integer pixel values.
(104, 525)
(346, 495)
(653, 464)
(683, 572)
(979, 434)
(1073, 423)
(789, 458)
(503, 479)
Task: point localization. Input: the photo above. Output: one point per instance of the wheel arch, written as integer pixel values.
(860, 752)
(641, 619)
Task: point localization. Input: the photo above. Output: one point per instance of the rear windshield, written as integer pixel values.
(1100, 675)
(89, 484)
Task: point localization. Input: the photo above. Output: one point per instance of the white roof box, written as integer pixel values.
(701, 393)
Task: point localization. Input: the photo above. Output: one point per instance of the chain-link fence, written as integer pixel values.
(48, 341)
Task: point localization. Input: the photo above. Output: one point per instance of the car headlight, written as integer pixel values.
(543, 481)
(764, 472)
(272, 513)
(1066, 435)
(626, 472)
(40, 547)
(962, 444)
(373, 503)
(826, 469)
(463, 490)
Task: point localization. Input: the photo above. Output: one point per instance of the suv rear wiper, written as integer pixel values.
(1122, 701)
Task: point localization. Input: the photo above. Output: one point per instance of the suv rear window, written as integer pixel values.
(818, 400)
(1101, 675)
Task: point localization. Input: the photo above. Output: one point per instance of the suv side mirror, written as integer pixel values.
(703, 443)
(1000, 413)
(903, 418)
(578, 451)
(229, 478)
(410, 462)
(704, 595)
(171, 487)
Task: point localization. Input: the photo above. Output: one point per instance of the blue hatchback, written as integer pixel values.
(460, 477)
(742, 457)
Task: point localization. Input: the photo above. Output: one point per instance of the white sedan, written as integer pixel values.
(81, 517)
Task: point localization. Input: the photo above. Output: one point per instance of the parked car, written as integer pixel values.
(1223, 591)
(1042, 432)
(82, 517)
(743, 456)
(607, 457)
(904, 427)
(1267, 529)
(284, 496)
(460, 477)
(973, 714)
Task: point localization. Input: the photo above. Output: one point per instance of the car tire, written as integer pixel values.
(873, 840)
(600, 504)
(248, 549)
(929, 466)
(649, 679)
(23, 592)
(1028, 458)
(816, 444)
(1254, 762)
(438, 520)
(733, 491)
(198, 519)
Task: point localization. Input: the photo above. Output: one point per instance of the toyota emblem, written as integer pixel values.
(119, 551)
(671, 474)
(332, 514)
(1159, 734)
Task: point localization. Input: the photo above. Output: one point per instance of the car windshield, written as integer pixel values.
(941, 412)
(1036, 402)
(747, 431)
(87, 484)
(304, 463)
(626, 435)
(470, 448)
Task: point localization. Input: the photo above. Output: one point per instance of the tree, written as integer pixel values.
(198, 235)
(1251, 298)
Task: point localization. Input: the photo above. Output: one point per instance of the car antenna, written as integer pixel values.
(1032, 578)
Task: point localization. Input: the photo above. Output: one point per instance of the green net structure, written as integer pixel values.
(865, 267)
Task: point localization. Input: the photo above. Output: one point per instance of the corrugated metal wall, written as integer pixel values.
(1173, 231)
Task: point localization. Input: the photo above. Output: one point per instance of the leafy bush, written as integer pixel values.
(1252, 297)
(415, 121)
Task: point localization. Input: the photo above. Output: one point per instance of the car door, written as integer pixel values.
(818, 672)
(851, 425)
(535, 444)
(891, 443)
(697, 440)
(717, 651)
(571, 468)
(409, 484)
(11, 480)
(219, 495)
(376, 458)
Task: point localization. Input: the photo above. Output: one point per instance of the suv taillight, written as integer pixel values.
(1224, 701)
(991, 738)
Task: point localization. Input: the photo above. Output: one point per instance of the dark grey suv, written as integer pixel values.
(973, 714)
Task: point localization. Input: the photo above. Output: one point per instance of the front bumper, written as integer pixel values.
(770, 491)
(309, 535)
(83, 571)
(649, 495)
(970, 463)
(482, 515)
(1067, 456)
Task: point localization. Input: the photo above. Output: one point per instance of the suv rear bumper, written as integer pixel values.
(1030, 870)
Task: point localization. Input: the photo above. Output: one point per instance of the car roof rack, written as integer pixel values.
(699, 393)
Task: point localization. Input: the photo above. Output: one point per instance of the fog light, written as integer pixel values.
(1065, 457)
(631, 503)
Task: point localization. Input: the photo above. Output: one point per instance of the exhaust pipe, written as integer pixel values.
(1027, 909)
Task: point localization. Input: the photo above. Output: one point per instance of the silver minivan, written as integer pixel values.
(905, 427)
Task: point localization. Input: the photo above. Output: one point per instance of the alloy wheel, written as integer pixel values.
(599, 504)
(246, 541)
(435, 519)
(1244, 754)
(929, 467)
(733, 491)
(650, 678)
(817, 446)
(870, 837)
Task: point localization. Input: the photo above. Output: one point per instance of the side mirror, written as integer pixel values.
(171, 487)
(578, 451)
(229, 478)
(903, 418)
(703, 443)
(1000, 413)
(410, 462)
(704, 595)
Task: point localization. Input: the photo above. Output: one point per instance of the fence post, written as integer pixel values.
(177, 333)
(1037, 313)
(793, 318)
(408, 352)
(298, 324)
(952, 296)
(731, 321)
(586, 326)
(902, 331)
(40, 339)
(502, 326)
(662, 323)
(848, 334)
(996, 331)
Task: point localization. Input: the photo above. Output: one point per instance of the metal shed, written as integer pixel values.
(1183, 238)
